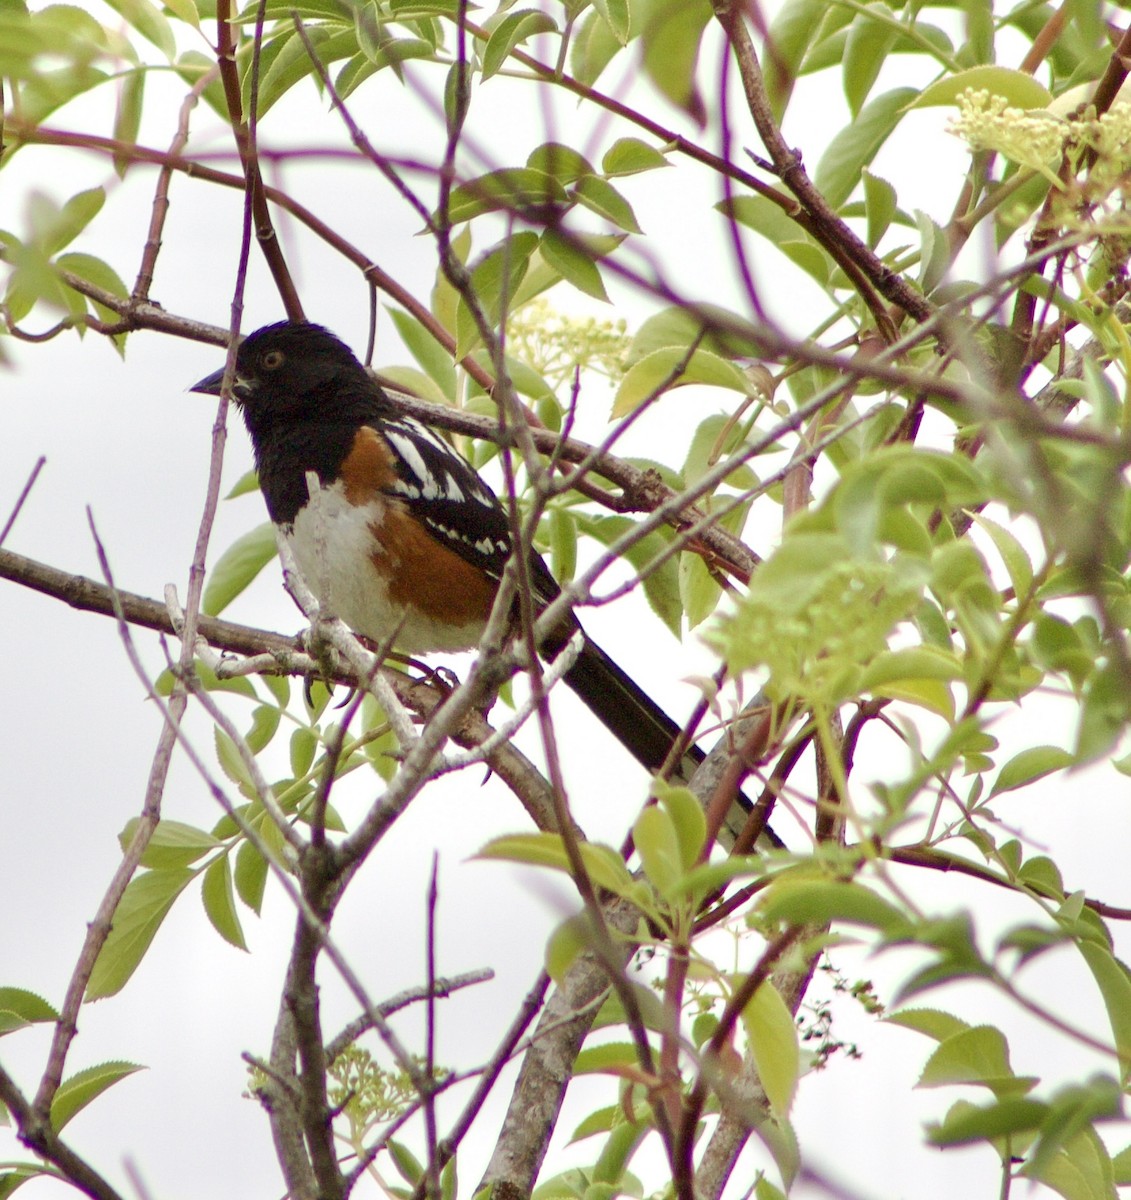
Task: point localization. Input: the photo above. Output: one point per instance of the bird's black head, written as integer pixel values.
(290, 370)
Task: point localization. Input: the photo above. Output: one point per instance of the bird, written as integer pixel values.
(402, 537)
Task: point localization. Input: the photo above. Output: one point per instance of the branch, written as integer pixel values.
(288, 658)
(834, 234)
(38, 1135)
(98, 929)
(547, 1067)
(747, 1096)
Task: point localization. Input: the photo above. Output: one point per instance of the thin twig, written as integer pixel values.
(25, 491)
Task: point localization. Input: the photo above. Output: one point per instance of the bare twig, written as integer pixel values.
(21, 499)
(98, 930)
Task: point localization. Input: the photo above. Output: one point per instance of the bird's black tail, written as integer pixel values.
(641, 725)
(627, 711)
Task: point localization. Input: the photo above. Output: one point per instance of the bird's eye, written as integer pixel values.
(273, 359)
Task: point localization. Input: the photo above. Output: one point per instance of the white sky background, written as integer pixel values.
(77, 735)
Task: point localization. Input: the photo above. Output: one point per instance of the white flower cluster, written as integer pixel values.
(1037, 138)
(1032, 138)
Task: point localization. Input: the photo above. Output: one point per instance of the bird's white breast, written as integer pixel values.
(336, 545)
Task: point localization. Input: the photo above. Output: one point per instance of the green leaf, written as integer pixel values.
(127, 118)
(238, 566)
(687, 818)
(18, 1173)
(772, 1034)
(407, 1164)
(820, 901)
(1121, 1165)
(1018, 87)
(143, 907)
(612, 1014)
(406, 10)
(616, 16)
(867, 46)
(514, 189)
(434, 358)
(173, 844)
(514, 29)
(239, 685)
(880, 206)
(608, 1057)
(710, 876)
(699, 591)
(449, 1184)
(629, 156)
(102, 275)
(714, 438)
(1032, 764)
(1013, 554)
(560, 161)
(149, 21)
(671, 33)
(568, 257)
(1069, 1155)
(75, 215)
(1041, 874)
(661, 584)
(854, 147)
(381, 50)
(671, 368)
(772, 222)
(913, 662)
(560, 531)
(934, 251)
(594, 46)
(264, 725)
(412, 382)
(1111, 977)
(569, 939)
(916, 675)
(1080, 1171)
(495, 279)
(1007, 1117)
(231, 762)
(979, 1055)
(285, 61)
(656, 842)
(35, 279)
(1105, 713)
(710, 325)
(601, 1120)
(1030, 940)
(601, 197)
(304, 745)
(604, 865)
(791, 34)
(930, 1021)
(957, 955)
(20, 1008)
(191, 67)
(220, 902)
(76, 1093)
(184, 10)
(611, 1167)
(248, 482)
(250, 876)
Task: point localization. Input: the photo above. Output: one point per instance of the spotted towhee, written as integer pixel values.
(403, 535)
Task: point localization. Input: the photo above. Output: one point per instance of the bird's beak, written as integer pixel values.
(210, 384)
